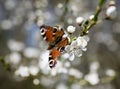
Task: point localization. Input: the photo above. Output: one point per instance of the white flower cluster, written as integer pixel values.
(93, 77)
(25, 71)
(77, 46)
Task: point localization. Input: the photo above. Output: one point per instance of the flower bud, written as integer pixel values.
(79, 20)
(91, 17)
(111, 3)
(71, 29)
(111, 12)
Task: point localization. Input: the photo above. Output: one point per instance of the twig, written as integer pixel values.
(6, 65)
(94, 20)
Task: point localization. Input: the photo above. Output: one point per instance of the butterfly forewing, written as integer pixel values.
(57, 37)
(47, 33)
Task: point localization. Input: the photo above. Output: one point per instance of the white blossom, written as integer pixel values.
(86, 38)
(10, 4)
(81, 42)
(79, 20)
(46, 81)
(76, 73)
(91, 17)
(71, 56)
(78, 52)
(94, 66)
(71, 29)
(6, 24)
(23, 71)
(65, 56)
(76, 86)
(15, 45)
(67, 64)
(61, 86)
(33, 70)
(76, 47)
(43, 62)
(60, 5)
(31, 52)
(111, 12)
(92, 78)
(74, 44)
(63, 70)
(111, 2)
(14, 58)
(36, 81)
(110, 72)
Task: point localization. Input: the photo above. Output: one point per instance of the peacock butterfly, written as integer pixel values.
(55, 36)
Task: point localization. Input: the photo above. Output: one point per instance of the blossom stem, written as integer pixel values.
(94, 20)
(7, 66)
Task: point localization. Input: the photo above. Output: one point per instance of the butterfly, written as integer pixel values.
(57, 41)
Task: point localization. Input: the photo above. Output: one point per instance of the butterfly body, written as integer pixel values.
(56, 41)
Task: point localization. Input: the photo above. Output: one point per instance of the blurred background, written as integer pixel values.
(24, 55)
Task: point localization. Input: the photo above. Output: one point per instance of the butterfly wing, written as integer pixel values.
(57, 37)
(57, 43)
(46, 32)
(52, 35)
(56, 51)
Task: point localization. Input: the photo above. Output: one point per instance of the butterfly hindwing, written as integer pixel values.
(56, 51)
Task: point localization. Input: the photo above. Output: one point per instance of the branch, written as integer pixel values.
(92, 22)
(6, 65)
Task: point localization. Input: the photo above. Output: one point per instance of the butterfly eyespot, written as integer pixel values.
(54, 30)
(62, 49)
(42, 31)
(52, 63)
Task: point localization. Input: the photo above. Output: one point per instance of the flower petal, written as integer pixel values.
(81, 42)
(84, 49)
(86, 38)
(71, 56)
(78, 52)
(68, 48)
(74, 44)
